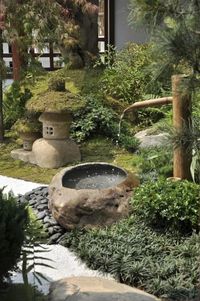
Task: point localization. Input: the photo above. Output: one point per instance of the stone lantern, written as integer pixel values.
(55, 149)
(57, 105)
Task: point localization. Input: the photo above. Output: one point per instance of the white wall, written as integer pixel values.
(123, 32)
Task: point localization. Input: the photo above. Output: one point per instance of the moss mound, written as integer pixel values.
(55, 101)
(77, 82)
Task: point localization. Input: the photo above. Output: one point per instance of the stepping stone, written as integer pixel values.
(95, 289)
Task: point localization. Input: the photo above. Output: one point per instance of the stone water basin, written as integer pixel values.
(91, 195)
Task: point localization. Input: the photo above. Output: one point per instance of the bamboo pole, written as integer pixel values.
(149, 103)
(182, 156)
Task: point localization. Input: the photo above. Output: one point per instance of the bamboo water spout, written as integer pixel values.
(149, 103)
(181, 102)
(143, 104)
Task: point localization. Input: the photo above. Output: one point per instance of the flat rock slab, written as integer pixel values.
(95, 289)
(147, 140)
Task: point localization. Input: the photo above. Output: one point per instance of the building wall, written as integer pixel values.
(123, 32)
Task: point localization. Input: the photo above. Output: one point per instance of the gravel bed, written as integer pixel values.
(38, 200)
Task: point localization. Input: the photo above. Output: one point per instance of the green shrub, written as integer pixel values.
(136, 255)
(13, 220)
(15, 99)
(129, 142)
(126, 78)
(167, 203)
(94, 119)
(97, 119)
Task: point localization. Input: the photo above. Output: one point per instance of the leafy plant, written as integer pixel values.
(162, 264)
(107, 58)
(15, 99)
(13, 221)
(32, 250)
(126, 78)
(169, 204)
(129, 143)
(95, 118)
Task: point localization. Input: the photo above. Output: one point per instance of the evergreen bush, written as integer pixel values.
(13, 220)
(169, 204)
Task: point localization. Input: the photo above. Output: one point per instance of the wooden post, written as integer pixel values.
(1, 89)
(51, 56)
(181, 121)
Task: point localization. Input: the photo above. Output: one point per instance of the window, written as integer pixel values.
(106, 23)
(48, 130)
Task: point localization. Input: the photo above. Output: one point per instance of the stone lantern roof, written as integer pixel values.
(56, 101)
(56, 98)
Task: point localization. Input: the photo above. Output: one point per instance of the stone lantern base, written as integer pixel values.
(49, 153)
(55, 153)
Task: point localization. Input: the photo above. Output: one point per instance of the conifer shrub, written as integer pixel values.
(13, 220)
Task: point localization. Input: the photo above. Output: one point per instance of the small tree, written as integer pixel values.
(72, 25)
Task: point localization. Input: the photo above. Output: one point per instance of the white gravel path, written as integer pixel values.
(64, 262)
(17, 186)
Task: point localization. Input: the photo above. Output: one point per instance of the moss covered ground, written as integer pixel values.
(98, 149)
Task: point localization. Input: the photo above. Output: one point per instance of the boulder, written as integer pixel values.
(95, 289)
(79, 208)
(148, 140)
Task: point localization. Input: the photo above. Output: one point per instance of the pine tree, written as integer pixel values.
(174, 28)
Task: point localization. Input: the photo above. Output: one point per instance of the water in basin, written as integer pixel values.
(94, 177)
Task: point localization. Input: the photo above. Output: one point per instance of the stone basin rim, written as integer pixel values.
(60, 176)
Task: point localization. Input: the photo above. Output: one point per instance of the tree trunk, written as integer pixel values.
(1, 90)
(16, 60)
(87, 49)
(89, 36)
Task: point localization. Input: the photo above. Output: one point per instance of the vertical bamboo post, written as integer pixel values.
(181, 121)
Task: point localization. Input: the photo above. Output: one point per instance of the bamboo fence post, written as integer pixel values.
(182, 156)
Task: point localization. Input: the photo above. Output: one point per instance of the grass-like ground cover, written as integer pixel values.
(160, 263)
(97, 149)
